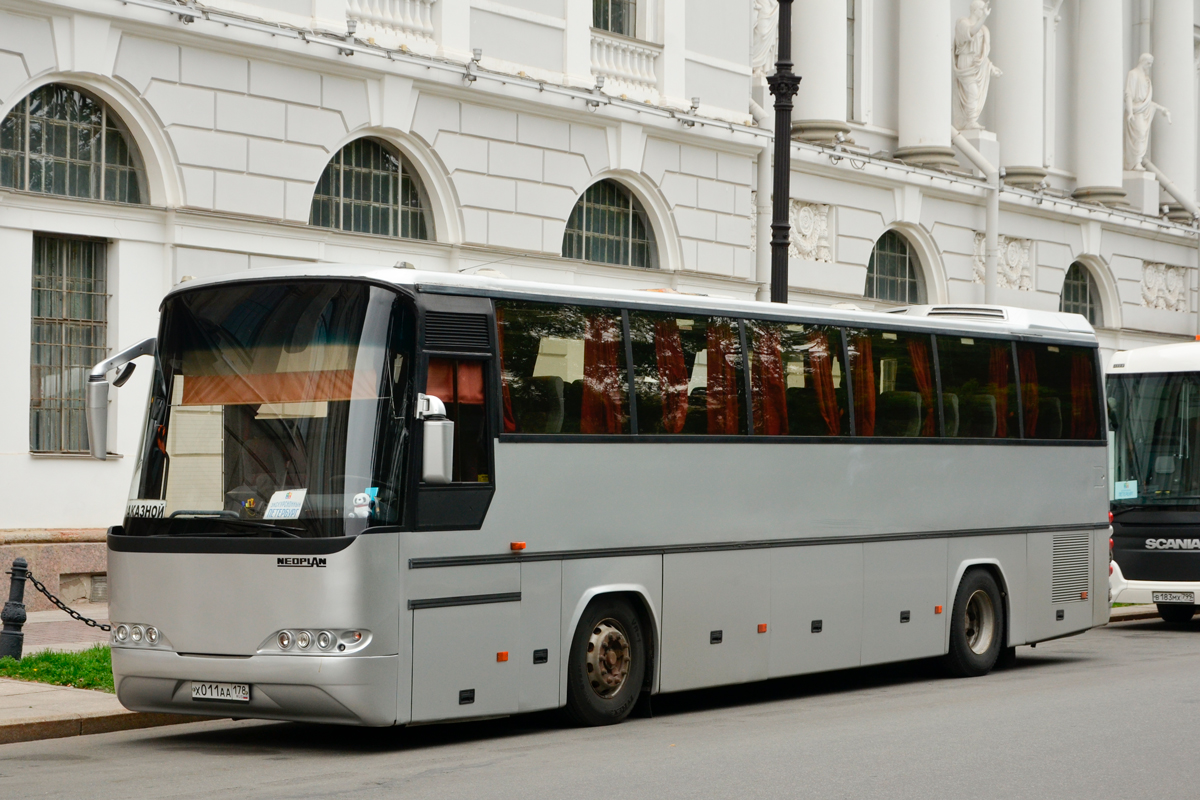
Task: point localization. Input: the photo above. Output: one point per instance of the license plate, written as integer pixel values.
(223, 692)
(1173, 597)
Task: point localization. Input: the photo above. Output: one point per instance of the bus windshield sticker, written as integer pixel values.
(286, 504)
(1125, 490)
(146, 509)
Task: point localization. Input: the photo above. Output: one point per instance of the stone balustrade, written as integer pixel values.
(628, 65)
(393, 22)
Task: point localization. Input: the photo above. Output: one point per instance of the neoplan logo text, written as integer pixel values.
(300, 562)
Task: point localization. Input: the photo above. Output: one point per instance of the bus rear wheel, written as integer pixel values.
(1176, 613)
(607, 662)
(976, 626)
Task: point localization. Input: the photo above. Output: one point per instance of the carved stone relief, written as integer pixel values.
(1012, 265)
(1164, 287)
(810, 231)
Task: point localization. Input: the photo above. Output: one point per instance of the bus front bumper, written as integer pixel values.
(1127, 591)
(350, 690)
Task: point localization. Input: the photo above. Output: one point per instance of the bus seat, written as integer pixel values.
(542, 408)
(572, 402)
(950, 410)
(1049, 421)
(979, 416)
(898, 414)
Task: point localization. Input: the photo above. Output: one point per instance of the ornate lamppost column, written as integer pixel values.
(784, 84)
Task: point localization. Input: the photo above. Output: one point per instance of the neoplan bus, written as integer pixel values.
(1154, 421)
(382, 496)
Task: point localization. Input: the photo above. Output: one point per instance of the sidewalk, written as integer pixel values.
(31, 711)
(1130, 613)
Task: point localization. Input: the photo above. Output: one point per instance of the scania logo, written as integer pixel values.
(300, 562)
(1173, 544)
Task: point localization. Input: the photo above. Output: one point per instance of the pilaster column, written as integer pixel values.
(1099, 92)
(819, 50)
(924, 80)
(1016, 27)
(1173, 144)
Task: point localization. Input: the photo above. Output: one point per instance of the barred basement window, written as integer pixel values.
(609, 225)
(1079, 294)
(62, 141)
(70, 335)
(369, 188)
(615, 16)
(893, 273)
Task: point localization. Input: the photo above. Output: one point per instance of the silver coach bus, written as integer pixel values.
(1154, 422)
(381, 496)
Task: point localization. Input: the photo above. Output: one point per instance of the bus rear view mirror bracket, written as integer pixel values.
(97, 393)
(437, 465)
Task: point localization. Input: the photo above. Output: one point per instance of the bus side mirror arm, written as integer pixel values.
(97, 393)
(437, 462)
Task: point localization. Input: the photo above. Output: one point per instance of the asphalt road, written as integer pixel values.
(1112, 713)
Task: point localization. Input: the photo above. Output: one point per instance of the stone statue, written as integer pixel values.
(766, 37)
(973, 70)
(1139, 112)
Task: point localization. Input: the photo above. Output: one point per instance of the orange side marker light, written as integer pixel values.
(1083, 595)
(516, 545)
(502, 655)
(762, 627)
(937, 609)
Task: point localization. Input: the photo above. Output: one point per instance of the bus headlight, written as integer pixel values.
(304, 640)
(151, 635)
(121, 633)
(326, 640)
(136, 633)
(285, 640)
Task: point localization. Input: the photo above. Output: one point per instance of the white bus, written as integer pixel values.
(1154, 421)
(384, 496)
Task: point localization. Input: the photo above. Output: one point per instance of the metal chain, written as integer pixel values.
(41, 587)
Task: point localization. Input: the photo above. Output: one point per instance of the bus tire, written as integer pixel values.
(1176, 613)
(976, 626)
(607, 662)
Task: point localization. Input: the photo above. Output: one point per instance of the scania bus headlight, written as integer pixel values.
(136, 634)
(304, 640)
(122, 633)
(285, 640)
(326, 640)
(151, 634)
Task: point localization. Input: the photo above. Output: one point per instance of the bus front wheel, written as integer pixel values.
(1176, 613)
(976, 626)
(607, 662)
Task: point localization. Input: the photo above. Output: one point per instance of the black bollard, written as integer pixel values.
(13, 615)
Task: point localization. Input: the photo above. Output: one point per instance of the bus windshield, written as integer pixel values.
(1155, 424)
(277, 409)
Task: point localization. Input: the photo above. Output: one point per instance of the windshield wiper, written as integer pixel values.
(231, 518)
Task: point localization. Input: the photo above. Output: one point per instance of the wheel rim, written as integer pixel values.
(608, 658)
(980, 627)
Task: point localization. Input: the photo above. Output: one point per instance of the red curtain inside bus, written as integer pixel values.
(672, 374)
(863, 370)
(821, 362)
(278, 387)
(603, 398)
(722, 393)
(1083, 396)
(918, 350)
(769, 383)
(464, 385)
(998, 370)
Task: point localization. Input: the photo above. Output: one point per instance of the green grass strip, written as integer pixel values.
(87, 669)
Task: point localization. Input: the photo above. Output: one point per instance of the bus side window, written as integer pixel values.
(796, 379)
(1058, 391)
(459, 384)
(893, 383)
(979, 388)
(562, 369)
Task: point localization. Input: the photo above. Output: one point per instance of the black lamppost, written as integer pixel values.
(784, 84)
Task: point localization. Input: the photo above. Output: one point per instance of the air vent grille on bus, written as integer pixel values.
(456, 332)
(1070, 573)
(984, 312)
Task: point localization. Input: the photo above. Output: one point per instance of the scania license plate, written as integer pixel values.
(225, 692)
(1173, 597)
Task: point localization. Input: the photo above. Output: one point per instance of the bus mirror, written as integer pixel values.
(97, 418)
(438, 458)
(438, 466)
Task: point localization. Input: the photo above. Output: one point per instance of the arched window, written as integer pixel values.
(370, 188)
(1080, 295)
(609, 225)
(893, 273)
(63, 141)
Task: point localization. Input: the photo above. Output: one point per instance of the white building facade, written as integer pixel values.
(612, 142)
